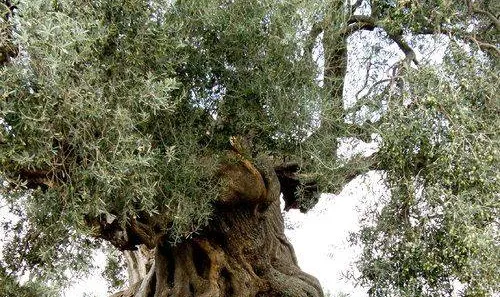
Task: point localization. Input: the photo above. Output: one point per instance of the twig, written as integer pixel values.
(485, 45)
(368, 68)
(403, 45)
(355, 6)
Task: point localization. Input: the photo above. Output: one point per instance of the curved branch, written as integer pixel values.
(364, 22)
(410, 55)
(488, 14)
(316, 30)
(355, 6)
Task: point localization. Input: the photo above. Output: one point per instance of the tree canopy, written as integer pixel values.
(121, 111)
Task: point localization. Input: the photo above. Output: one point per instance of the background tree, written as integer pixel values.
(170, 128)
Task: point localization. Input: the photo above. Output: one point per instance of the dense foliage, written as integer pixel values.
(437, 231)
(124, 108)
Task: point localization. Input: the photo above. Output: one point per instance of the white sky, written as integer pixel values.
(320, 238)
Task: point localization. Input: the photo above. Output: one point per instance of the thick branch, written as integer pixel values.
(358, 166)
(295, 190)
(354, 167)
(359, 22)
(316, 30)
(403, 46)
(355, 6)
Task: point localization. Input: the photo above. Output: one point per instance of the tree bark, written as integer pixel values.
(243, 252)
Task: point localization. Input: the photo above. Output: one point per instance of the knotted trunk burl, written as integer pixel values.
(243, 252)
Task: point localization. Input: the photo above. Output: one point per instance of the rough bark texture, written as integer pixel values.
(244, 251)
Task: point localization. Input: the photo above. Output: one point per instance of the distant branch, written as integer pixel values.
(316, 30)
(403, 46)
(363, 22)
(473, 8)
(355, 6)
(485, 46)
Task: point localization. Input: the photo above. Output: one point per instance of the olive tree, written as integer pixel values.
(170, 129)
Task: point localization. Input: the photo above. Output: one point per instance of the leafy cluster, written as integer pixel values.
(124, 109)
(438, 232)
(113, 272)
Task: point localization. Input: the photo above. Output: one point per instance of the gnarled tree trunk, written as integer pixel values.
(243, 252)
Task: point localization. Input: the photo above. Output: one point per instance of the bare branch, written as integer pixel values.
(355, 167)
(363, 22)
(403, 45)
(355, 6)
(474, 9)
(391, 81)
(316, 29)
(367, 76)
